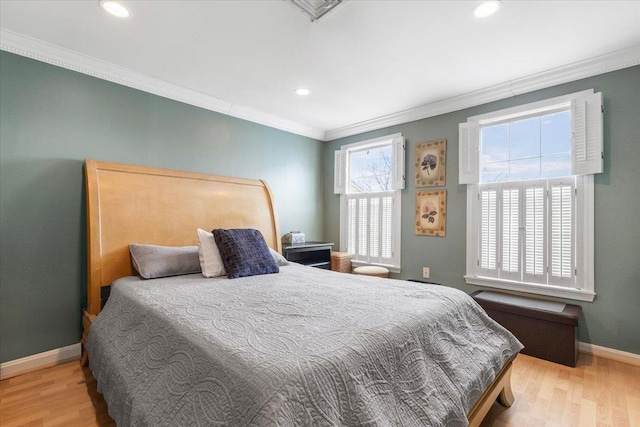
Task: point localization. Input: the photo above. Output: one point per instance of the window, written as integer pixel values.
(530, 195)
(369, 176)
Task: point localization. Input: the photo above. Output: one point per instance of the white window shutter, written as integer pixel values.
(339, 172)
(469, 153)
(374, 229)
(510, 233)
(386, 233)
(535, 224)
(351, 225)
(586, 135)
(488, 252)
(398, 163)
(363, 227)
(561, 233)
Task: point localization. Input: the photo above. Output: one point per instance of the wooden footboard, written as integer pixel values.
(500, 389)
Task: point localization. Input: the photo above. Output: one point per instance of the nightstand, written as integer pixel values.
(313, 254)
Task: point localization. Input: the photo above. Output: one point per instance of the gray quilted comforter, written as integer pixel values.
(299, 348)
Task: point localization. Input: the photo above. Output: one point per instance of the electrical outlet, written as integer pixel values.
(425, 272)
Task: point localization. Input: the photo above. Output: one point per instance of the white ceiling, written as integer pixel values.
(363, 61)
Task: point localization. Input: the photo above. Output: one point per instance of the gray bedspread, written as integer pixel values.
(299, 348)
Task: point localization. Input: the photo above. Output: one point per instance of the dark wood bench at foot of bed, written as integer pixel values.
(546, 328)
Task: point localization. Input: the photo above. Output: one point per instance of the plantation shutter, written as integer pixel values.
(397, 162)
(363, 228)
(386, 246)
(339, 172)
(510, 264)
(369, 227)
(374, 228)
(469, 149)
(488, 256)
(561, 233)
(586, 135)
(351, 225)
(535, 266)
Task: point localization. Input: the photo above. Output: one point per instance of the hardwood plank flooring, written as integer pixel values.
(598, 392)
(63, 395)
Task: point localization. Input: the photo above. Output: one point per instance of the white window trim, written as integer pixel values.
(395, 249)
(585, 105)
(535, 108)
(341, 186)
(586, 141)
(533, 288)
(585, 240)
(369, 143)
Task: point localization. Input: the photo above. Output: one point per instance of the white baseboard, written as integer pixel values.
(53, 357)
(609, 353)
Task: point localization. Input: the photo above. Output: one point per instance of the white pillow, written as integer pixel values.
(279, 259)
(210, 260)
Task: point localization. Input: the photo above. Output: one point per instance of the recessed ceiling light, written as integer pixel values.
(486, 8)
(115, 8)
(302, 91)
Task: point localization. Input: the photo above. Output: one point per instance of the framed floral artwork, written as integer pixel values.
(431, 158)
(431, 213)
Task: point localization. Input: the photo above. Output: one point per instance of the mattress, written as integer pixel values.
(301, 347)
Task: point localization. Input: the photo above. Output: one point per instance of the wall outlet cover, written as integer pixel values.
(425, 272)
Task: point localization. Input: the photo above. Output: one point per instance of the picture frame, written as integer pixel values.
(431, 213)
(431, 158)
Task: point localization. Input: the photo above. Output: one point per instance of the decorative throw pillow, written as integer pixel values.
(210, 261)
(153, 261)
(244, 252)
(279, 259)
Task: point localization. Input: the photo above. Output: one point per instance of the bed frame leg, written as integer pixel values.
(87, 320)
(499, 390)
(506, 397)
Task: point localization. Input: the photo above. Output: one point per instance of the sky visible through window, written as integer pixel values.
(531, 148)
(370, 170)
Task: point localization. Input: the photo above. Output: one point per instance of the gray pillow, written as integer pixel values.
(153, 261)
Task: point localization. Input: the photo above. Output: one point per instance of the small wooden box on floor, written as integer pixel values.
(546, 329)
(341, 262)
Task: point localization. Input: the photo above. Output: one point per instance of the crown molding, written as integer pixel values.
(579, 70)
(19, 44)
(45, 52)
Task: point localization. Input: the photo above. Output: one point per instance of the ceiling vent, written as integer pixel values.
(315, 9)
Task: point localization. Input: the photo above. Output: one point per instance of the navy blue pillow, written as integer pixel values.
(244, 252)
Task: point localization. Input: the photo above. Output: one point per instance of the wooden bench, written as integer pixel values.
(547, 329)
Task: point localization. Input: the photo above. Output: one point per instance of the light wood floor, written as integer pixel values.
(598, 392)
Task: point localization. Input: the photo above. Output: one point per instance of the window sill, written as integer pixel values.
(532, 288)
(391, 268)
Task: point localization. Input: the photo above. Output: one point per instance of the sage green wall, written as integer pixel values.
(613, 319)
(51, 119)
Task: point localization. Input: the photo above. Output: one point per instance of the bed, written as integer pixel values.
(301, 347)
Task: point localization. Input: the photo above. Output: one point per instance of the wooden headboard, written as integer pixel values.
(134, 204)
